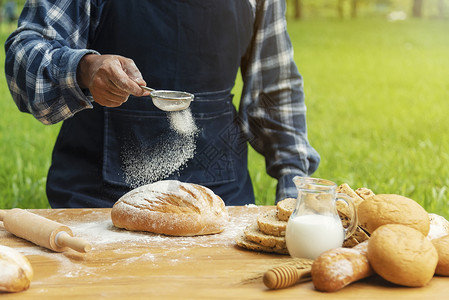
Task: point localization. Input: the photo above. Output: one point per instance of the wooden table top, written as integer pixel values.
(126, 264)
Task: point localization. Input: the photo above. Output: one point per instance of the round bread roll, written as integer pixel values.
(442, 246)
(171, 207)
(16, 272)
(439, 226)
(384, 209)
(402, 255)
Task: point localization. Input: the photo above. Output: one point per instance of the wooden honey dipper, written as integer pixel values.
(42, 231)
(285, 276)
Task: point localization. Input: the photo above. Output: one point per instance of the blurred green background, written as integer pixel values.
(376, 77)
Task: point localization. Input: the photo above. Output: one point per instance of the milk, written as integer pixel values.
(308, 236)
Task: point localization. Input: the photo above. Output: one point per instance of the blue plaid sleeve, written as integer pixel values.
(272, 108)
(42, 56)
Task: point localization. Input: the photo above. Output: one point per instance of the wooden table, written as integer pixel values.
(129, 265)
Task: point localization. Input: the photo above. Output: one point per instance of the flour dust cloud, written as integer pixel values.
(143, 164)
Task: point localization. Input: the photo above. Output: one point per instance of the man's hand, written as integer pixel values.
(110, 78)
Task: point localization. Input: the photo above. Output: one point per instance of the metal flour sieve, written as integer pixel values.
(170, 100)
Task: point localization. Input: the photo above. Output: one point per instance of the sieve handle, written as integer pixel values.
(146, 88)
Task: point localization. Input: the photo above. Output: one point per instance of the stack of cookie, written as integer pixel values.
(268, 235)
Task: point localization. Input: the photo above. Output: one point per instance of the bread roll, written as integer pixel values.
(392, 209)
(364, 193)
(442, 246)
(16, 272)
(171, 207)
(339, 267)
(402, 255)
(439, 226)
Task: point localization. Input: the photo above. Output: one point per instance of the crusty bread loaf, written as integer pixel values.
(442, 246)
(285, 208)
(171, 207)
(402, 255)
(16, 272)
(384, 209)
(339, 267)
(270, 224)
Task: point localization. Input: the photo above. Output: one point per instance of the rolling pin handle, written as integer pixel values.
(63, 239)
(283, 277)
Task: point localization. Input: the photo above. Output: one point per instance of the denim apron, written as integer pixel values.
(186, 45)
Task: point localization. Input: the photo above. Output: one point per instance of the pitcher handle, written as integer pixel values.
(353, 211)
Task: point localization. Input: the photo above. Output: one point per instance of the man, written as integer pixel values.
(83, 62)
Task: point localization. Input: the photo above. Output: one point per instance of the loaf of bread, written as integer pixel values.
(16, 272)
(402, 255)
(339, 267)
(384, 209)
(442, 246)
(171, 207)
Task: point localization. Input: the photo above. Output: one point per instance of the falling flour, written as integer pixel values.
(170, 153)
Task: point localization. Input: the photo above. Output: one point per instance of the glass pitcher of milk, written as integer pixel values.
(315, 226)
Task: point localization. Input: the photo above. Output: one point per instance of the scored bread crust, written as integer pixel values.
(171, 207)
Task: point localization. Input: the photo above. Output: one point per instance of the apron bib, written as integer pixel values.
(187, 45)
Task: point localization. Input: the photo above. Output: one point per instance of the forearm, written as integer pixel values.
(272, 109)
(41, 62)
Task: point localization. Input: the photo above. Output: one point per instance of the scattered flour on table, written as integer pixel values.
(103, 236)
(104, 232)
(146, 164)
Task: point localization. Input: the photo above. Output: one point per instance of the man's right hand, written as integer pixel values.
(110, 78)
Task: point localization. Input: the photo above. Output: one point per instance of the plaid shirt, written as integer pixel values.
(42, 56)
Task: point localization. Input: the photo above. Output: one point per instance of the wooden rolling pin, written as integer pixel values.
(285, 276)
(42, 231)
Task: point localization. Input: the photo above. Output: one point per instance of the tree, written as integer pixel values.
(417, 8)
(441, 8)
(298, 9)
(353, 8)
(297, 14)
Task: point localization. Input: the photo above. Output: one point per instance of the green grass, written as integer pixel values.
(377, 97)
(25, 148)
